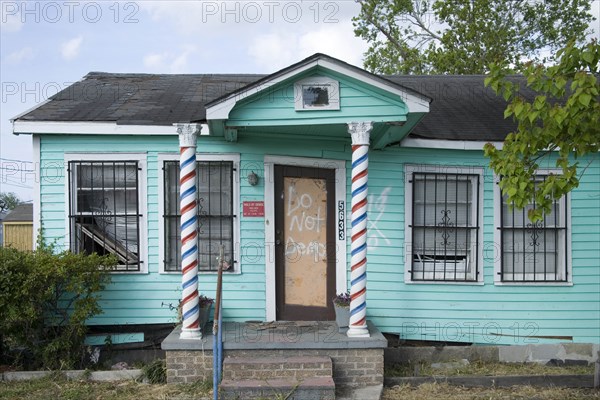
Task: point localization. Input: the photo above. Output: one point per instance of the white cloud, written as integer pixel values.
(180, 62)
(11, 17)
(155, 60)
(26, 53)
(70, 49)
(174, 63)
(274, 51)
(277, 50)
(335, 40)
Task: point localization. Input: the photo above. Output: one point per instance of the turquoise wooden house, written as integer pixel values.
(447, 260)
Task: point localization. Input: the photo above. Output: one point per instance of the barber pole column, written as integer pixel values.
(189, 225)
(360, 132)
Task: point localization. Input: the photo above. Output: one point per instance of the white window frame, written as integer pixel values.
(566, 219)
(409, 170)
(333, 93)
(141, 158)
(233, 157)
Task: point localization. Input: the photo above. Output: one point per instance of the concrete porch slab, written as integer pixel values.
(278, 335)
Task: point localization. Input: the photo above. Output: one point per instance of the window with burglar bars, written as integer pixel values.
(214, 183)
(444, 227)
(533, 251)
(104, 211)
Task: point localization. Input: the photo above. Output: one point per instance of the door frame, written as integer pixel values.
(339, 166)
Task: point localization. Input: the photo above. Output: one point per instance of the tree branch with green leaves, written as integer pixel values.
(562, 119)
(465, 36)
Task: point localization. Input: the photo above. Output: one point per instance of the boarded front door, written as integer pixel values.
(305, 243)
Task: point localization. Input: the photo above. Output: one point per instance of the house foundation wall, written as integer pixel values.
(532, 353)
(351, 367)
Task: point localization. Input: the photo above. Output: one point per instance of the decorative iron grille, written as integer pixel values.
(445, 226)
(533, 252)
(104, 211)
(214, 185)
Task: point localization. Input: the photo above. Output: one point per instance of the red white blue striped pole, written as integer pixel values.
(360, 132)
(190, 308)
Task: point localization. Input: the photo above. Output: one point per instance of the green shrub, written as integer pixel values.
(45, 299)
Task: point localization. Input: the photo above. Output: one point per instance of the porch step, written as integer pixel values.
(318, 388)
(261, 368)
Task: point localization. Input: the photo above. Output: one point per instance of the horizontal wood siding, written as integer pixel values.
(450, 312)
(357, 102)
(149, 298)
(477, 313)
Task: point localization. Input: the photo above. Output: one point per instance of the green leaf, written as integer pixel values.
(587, 56)
(518, 109)
(585, 99)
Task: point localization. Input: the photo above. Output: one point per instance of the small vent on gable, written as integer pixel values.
(317, 93)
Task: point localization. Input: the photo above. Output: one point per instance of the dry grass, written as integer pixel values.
(59, 388)
(488, 369)
(442, 391)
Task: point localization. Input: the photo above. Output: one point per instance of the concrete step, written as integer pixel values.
(298, 367)
(320, 388)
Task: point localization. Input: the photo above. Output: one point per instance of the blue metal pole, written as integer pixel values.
(215, 367)
(220, 342)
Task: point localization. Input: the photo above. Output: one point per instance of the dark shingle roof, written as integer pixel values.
(137, 99)
(462, 109)
(21, 213)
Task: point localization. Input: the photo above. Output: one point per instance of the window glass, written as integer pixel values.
(215, 215)
(444, 227)
(105, 217)
(531, 251)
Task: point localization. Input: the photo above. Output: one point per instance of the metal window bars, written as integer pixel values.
(445, 227)
(215, 215)
(104, 211)
(533, 252)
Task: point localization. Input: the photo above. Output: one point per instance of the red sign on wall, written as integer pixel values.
(254, 208)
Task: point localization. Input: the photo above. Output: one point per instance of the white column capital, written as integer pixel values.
(188, 133)
(360, 132)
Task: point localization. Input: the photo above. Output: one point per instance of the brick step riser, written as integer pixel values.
(242, 374)
(276, 368)
(298, 394)
(321, 388)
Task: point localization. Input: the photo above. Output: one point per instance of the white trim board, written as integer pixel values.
(94, 128)
(235, 157)
(141, 158)
(447, 144)
(340, 196)
(37, 190)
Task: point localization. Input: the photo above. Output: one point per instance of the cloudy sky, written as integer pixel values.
(47, 45)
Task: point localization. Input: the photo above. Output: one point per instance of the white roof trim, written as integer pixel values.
(448, 144)
(221, 110)
(94, 128)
